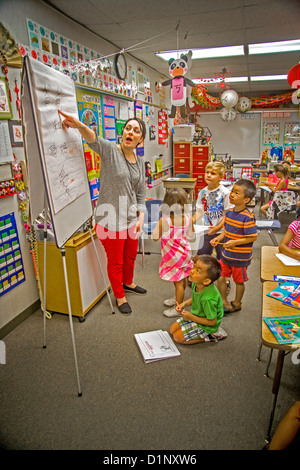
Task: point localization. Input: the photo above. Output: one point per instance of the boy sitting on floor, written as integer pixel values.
(202, 323)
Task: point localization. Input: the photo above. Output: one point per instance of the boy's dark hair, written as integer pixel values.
(249, 187)
(213, 266)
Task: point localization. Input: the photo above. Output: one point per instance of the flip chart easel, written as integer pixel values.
(55, 164)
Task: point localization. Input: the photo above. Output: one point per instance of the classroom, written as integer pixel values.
(109, 111)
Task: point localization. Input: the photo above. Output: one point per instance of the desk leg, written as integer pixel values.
(262, 201)
(193, 201)
(275, 388)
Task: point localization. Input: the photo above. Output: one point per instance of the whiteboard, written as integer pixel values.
(239, 138)
(54, 156)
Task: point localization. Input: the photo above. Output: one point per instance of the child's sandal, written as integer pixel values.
(234, 308)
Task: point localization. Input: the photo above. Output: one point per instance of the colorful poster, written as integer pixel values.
(271, 133)
(11, 263)
(88, 114)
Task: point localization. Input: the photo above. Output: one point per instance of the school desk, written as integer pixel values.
(185, 183)
(275, 308)
(270, 265)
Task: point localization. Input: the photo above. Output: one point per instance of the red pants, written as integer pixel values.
(121, 250)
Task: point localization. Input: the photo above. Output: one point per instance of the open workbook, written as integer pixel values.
(156, 345)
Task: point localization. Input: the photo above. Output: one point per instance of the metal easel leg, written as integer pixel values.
(45, 272)
(97, 256)
(63, 252)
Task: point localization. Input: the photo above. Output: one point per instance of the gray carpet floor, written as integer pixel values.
(213, 396)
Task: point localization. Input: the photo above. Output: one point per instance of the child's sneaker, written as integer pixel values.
(170, 302)
(220, 334)
(171, 312)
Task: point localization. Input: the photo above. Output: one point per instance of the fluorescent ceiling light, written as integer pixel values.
(204, 53)
(218, 80)
(271, 47)
(260, 78)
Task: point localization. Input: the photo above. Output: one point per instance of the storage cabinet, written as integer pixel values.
(86, 284)
(191, 159)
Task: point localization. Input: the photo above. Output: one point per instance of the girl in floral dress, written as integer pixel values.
(174, 228)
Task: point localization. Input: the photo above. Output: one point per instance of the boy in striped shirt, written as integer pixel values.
(237, 239)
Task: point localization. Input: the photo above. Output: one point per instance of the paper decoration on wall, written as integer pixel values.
(228, 114)
(244, 104)
(229, 98)
(11, 263)
(138, 111)
(89, 115)
(9, 51)
(203, 100)
(177, 70)
(292, 133)
(109, 120)
(16, 133)
(6, 153)
(152, 132)
(56, 49)
(162, 127)
(271, 133)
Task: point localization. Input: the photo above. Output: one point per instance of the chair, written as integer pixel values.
(151, 217)
(183, 175)
(269, 225)
(282, 201)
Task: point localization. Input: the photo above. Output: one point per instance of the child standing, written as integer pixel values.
(239, 233)
(173, 228)
(282, 173)
(202, 323)
(214, 201)
(290, 243)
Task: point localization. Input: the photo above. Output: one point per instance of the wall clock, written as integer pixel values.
(121, 66)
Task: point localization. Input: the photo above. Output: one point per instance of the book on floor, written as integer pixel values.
(286, 329)
(156, 345)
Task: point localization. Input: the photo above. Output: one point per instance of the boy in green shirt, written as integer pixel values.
(202, 323)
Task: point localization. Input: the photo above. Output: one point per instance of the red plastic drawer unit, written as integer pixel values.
(200, 152)
(181, 165)
(199, 166)
(182, 150)
(191, 159)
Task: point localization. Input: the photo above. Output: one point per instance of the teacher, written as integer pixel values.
(119, 212)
